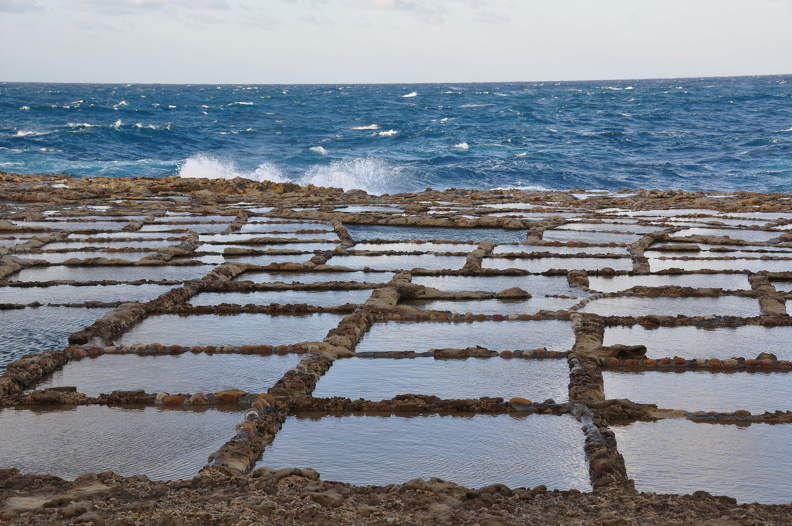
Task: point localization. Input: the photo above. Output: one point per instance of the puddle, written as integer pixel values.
(589, 236)
(535, 285)
(235, 330)
(516, 451)
(153, 245)
(393, 262)
(545, 264)
(746, 265)
(721, 281)
(200, 228)
(60, 257)
(753, 236)
(742, 462)
(496, 336)
(237, 237)
(268, 259)
(319, 298)
(268, 227)
(397, 233)
(176, 374)
(495, 306)
(40, 329)
(417, 247)
(631, 227)
(314, 277)
(702, 390)
(382, 379)
(161, 444)
(691, 342)
(647, 306)
(123, 234)
(355, 209)
(512, 249)
(71, 226)
(112, 273)
(783, 286)
(72, 294)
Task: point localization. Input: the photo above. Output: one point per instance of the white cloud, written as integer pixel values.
(18, 6)
(492, 17)
(127, 6)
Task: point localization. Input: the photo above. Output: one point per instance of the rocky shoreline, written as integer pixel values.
(230, 489)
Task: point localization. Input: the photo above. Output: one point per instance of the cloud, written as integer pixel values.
(18, 6)
(492, 17)
(263, 22)
(131, 6)
(318, 22)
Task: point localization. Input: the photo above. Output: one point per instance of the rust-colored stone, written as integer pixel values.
(173, 400)
(506, 354)
(229, 396)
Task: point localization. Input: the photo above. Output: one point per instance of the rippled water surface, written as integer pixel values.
(175, 374)
(691, 342)
(679, 456)
(40, 329)
(320, 298)
(80, 294)
(721, 281)
(647, 306)
(113, 273)
(545, 264)
(394, 262)
(703, 390)
(314, 277)
(383, 378)
(516, 451)
(237, 329)
(398, 233)
(496, 336)
(161, 444)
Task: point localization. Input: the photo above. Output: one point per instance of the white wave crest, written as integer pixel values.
(462, 146)
(79, 125)
(118, 124)
(389, 133)
(206, 167)
(29, 133)
(24, 108)
(318, 149)
(243, 103)
(410, 95)
(375, 176)
(369, 127)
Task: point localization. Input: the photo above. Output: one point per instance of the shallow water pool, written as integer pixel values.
(681, 457)
(664, 306)
(516, 451)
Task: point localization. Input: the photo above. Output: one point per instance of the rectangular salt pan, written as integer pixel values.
(703, 390)
(60, 257)
(236, 330)
(397, 233)
(535, 285)
(381, 379)
(691, 342)
(74, 294)
(544, 264)
(314, 277)
(113, 273)
(742, 462)
(720, 281)
(560, 249)
(319, 298)
(161, 444)
(40, 329)
(665, 306)
(747, 265)
(416, 247)
(529, 306)
(175, 374)
(515, 451)
(589, 236)
(399, 262)
(752, 236)
(496, 336)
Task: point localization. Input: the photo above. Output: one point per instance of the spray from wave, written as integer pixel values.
(375, 176)
(206, 167)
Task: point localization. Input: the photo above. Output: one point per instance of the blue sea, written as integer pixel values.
(713, 134)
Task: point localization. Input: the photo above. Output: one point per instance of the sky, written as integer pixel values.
(389, 41)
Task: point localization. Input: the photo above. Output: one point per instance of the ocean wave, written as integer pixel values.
(243, 103)
(206, 167)
(80, 125)
(29, 133)
(24, 108)
(369, 127)
(141, 126)
(318, 149)
(375, 176)
(462, 146)
(372, 175)
(389, 133)
(410, 95)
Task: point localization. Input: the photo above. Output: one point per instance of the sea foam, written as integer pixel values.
(207, 167)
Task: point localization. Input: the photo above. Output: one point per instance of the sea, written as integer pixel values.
(712, 134)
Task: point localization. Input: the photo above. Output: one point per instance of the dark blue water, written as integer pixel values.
(694, 134)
